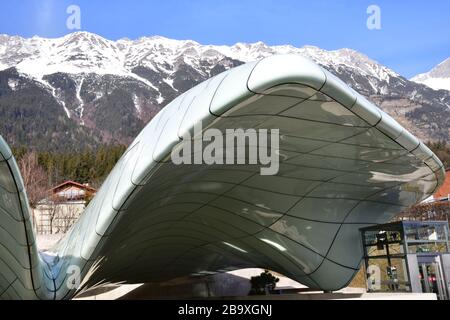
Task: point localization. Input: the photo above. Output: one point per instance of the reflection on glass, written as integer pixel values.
(428, 231)
(389, 276)
(274, 244)
(234, 247)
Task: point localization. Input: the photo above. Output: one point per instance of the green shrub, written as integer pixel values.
(263, 284)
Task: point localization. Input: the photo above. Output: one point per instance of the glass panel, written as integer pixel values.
(295, 90)
(310, 129)
(331, 163)
(425, 231)
(373, 212)
(331, 112)
(329, 210)
(314, 235)
(306, 260)
(262, 216)
(263, 199)
(263, 104)
(427, 247)
(384, 276)
(303, 145)
(373, 138)
(306, 172)
(347, 247)
(339, 190)
(360, 153)
(381, 243)
(281, 185)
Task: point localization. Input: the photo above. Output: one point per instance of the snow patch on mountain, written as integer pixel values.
(137, 104)
(170, 83)
(58, 99)
(434, 83)
(80, 108)
(13, 83)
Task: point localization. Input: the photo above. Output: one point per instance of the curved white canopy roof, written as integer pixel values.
(344, 164)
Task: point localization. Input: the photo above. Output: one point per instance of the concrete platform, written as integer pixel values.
(138, 292)
(234, 285)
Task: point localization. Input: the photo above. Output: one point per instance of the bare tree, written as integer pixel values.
(51, 215)
(427, 211)
(48, 211)
(34, 178)
(67, 216)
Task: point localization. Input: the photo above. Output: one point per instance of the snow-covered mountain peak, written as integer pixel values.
(442, 70)
(85, 52)
(437, 78)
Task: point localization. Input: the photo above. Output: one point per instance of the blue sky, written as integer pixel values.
(414, 35)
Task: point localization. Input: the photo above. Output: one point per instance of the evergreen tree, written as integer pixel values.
(87, 166)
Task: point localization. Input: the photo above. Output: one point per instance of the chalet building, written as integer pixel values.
(70, 191)
(62, 207)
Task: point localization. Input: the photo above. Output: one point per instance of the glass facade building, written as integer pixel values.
(409, 256)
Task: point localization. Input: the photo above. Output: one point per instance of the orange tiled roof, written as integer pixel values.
(444, 190)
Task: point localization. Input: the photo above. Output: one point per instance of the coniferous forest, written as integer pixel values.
(86, 166)
(92, 166)
(442, 150)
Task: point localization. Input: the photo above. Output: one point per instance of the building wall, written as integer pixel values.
(54, 218)
(71, 192)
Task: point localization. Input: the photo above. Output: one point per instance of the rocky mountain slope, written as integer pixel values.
(83, 90)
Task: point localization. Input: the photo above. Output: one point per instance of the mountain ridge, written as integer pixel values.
(125, 54)
(109, 89)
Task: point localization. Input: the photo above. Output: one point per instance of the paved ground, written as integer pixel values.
(235, 286)
(229, 285)
(139, 292)
(46, 241)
